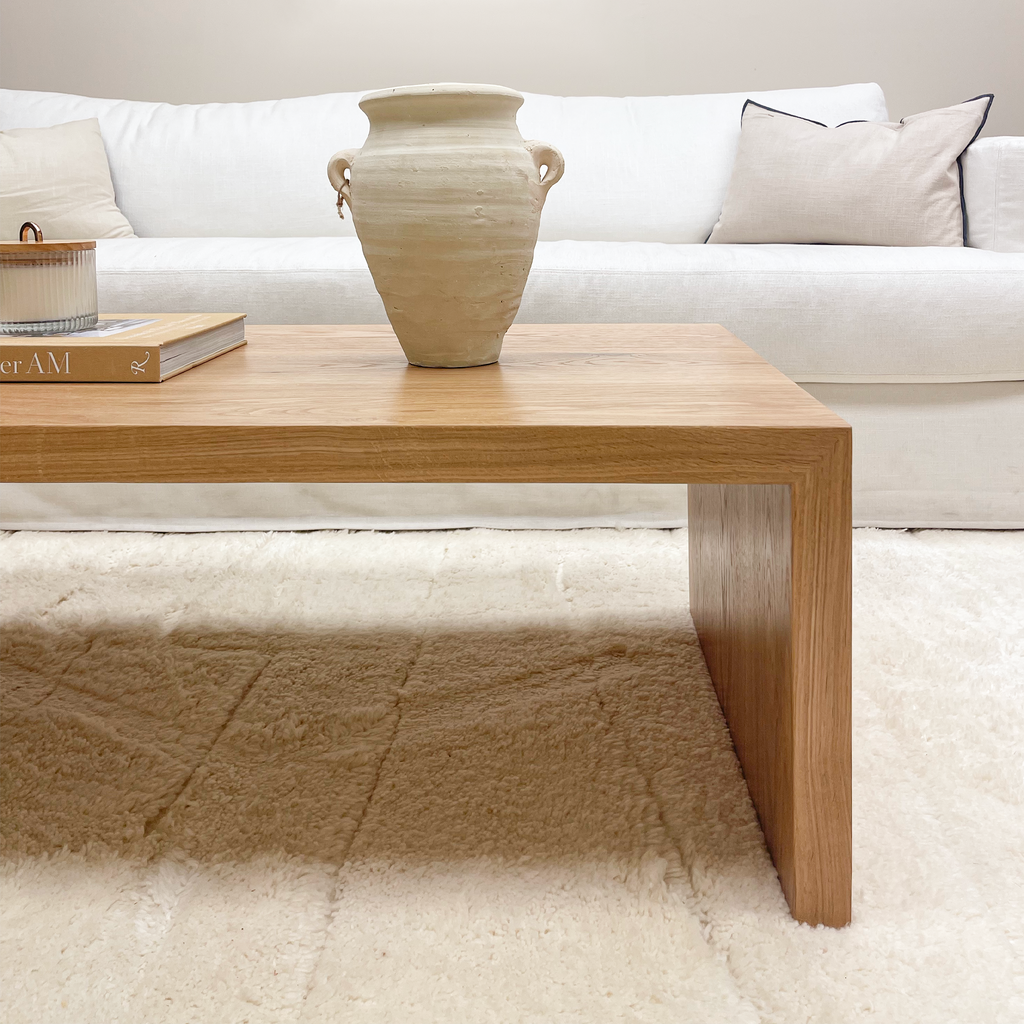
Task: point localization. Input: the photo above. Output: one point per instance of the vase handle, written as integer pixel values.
(336, 168)
(546, 156)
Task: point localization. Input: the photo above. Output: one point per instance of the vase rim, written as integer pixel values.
(442, 89)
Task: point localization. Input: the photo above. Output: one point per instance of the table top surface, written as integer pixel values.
(585, 375)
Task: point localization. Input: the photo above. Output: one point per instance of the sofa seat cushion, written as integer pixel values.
(819, 313)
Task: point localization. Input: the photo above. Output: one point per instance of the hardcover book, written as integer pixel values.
(145, 348)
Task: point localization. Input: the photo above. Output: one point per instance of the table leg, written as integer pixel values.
(770, 569)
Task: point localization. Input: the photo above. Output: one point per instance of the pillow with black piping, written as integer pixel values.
(861, 183)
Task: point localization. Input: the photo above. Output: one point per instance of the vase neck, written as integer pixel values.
(438, 108)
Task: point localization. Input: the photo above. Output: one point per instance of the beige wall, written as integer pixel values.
(924, 53)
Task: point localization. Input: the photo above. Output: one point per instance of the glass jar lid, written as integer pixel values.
(25, 249)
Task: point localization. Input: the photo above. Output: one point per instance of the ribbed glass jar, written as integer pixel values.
(47, 287)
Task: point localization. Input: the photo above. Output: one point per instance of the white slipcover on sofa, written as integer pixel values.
(921, 349)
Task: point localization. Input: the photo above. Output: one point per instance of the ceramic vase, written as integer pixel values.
(446, 200)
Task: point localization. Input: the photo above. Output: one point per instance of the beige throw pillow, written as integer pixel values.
(58, 177)
(862, 183)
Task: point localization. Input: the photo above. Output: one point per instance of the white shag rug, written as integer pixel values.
(482, 776)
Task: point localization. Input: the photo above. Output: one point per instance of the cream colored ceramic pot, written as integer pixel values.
(446, 200)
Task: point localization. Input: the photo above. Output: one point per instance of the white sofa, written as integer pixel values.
(922, 350)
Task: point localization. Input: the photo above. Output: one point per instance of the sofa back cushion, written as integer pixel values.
(647, 168)
(656, 168)
(213, 169)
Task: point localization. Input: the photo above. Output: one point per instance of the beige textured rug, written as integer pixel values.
(482, 776)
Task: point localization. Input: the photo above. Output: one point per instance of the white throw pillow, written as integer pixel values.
(861, 183)
(58, 177)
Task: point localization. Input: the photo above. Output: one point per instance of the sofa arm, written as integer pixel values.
(994, 193)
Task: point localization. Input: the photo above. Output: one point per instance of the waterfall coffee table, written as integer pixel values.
(769, 499)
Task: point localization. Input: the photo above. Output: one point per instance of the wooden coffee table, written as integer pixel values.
(769, 501)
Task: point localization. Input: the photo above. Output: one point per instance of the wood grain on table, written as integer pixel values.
(341, 403)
